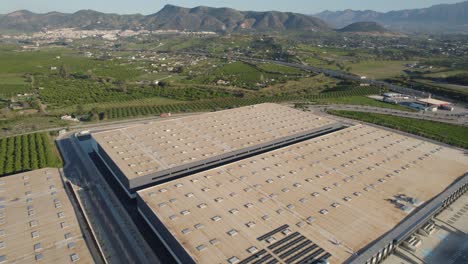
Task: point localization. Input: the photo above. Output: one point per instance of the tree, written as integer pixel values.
(64, 72)
(9, 162)
(40, 151)
(122, 85)
(36, 104)
(80, 109)
(25, 154)
(3, 146)
(33, 151)
(18, 157)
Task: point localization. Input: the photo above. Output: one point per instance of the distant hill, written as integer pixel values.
(170, 17)
(435, 19)
(370, 29)
(24, 20)
(364, 27)
(227, 19)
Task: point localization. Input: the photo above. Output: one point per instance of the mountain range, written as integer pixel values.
(444, 18)
(170, 17)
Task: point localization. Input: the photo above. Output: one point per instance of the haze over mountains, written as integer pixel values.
(435, 19)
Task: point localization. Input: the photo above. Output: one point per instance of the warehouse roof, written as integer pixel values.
(150, 148)
(432, 101)
(332, 195)
(37, 220)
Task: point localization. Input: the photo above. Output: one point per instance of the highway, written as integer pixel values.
(116, 231)
(438, 117)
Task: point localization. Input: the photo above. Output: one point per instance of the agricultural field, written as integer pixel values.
(22, 124)
(60, 93)
(245, 75)
(13, 84)
(276, 68)
(446, 133)
(14, 61)
(27, 152)
(117, 104)
(356, 61)
(378, 69)
(226, 103)
(301, 87)
(43, 62)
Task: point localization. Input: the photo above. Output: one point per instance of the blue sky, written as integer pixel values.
(152, 6)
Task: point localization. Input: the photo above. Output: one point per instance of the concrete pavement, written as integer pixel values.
(120, 238)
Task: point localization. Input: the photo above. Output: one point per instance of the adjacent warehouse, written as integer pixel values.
(325, 198)
(143, 155)
(433, 102)
(37, 221)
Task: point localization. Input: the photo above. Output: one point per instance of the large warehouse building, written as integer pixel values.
(271, 184)
(324, 198)
(143, 155)
(37, 221)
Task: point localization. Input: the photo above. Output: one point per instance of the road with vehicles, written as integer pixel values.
(431, 116)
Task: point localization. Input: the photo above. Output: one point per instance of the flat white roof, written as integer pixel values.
(150, 148)
(334, 190)
(37, 220)
(433, 101)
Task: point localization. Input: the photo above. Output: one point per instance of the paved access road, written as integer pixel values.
(121, 239)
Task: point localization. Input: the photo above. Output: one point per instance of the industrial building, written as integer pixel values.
(328, 198)
(147, 154)
(37, 221)
(433, 102)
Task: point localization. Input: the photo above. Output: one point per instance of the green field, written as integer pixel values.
(446, 133)
(301, 87)
(378, 69)
(276, 68)
(42, 61)
(444, 74)
(23, 124)
(243, 75)
(126, 103)
(226, 103)
(27, 152)
(64, 93)
(13, 84)
(58, 92)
